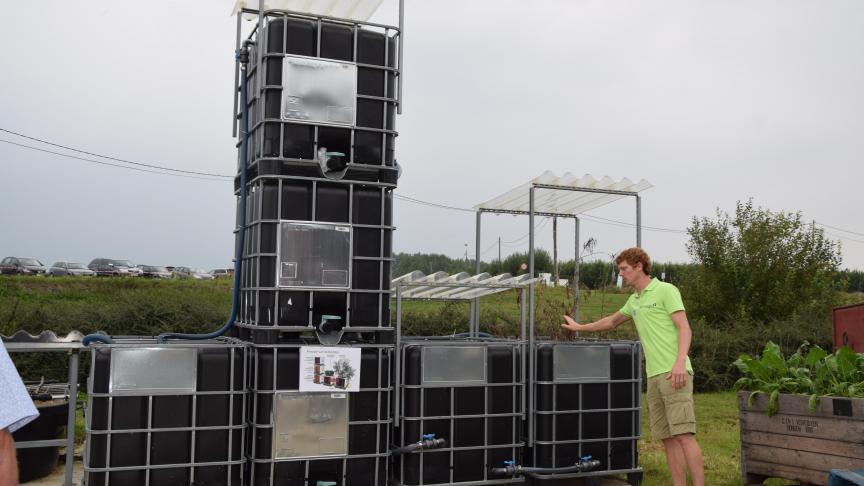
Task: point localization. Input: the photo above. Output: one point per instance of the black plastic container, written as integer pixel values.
(187, 437)
(276, 372)
(369, 142)
(365, 209)
(588, 403)
(38, 462)
(475, 403)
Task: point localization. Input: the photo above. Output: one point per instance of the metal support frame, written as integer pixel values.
(473, 328)
(531, 213)
(73, 349)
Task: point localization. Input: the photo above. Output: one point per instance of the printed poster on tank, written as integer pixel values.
(329, 369)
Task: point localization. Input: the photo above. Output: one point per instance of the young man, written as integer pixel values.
(16, 410)
(658, 312)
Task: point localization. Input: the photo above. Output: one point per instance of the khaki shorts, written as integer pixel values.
(670, 411)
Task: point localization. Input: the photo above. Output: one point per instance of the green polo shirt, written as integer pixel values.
(652, 314)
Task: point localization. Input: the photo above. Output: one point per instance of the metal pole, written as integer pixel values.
(525, 414)
(398, 370)
(638, 221)
(236, 78)
(576, 263)
(531, 304)
(70, 420)
(401, 50)
(476, 303)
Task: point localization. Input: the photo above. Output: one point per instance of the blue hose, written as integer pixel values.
(242, 57)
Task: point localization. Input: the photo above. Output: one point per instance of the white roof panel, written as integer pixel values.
(459, 286)
(360, 10)
(563, 202)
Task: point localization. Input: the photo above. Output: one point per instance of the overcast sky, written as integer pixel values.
(711, 102)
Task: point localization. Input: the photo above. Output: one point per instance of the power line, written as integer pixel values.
(152, 166)
(100, 162)
(839, 229)
(631, 225)
(431, 204)
(845, 238)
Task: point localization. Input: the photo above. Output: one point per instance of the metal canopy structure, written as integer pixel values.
(569, 196)
(566, 196)
(460, 286)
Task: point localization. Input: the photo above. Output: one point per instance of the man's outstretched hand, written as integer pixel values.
(570, 324)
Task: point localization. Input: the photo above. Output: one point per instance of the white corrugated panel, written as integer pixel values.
(360, 10)
(563, 201)
(460, 286)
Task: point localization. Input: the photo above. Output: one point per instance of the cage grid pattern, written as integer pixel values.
(275, 369)
(481, 423)
(370, 142)
(598, 418)
(153, 439)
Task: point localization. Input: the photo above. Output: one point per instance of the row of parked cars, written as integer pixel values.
(107, 267)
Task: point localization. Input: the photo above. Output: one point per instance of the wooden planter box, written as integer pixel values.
(795, 444)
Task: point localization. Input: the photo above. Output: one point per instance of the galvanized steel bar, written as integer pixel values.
(576, 262)
(70, 420)
(638, 221)
(531, 366)
(398, 352)
(399, 66)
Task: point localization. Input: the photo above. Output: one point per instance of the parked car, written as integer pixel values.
(134, 271)
(107, 267)
(222, 272)
(153, 271)
(193, 273)
(22, 266)
(72, 269)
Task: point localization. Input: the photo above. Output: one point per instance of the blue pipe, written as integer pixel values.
(242, 57)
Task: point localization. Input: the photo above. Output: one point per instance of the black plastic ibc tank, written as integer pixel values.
(484, 417)
(368, 208)
(368, 415)
(597, 417)
(375, 57)
(123, 418)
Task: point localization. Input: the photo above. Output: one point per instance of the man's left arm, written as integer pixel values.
(678, 375)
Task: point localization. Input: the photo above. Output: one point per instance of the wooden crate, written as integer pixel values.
(795, 444)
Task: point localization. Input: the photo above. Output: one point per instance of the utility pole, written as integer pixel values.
(499, 255)
(555, 250)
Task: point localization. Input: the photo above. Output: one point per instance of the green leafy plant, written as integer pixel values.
(809, 371)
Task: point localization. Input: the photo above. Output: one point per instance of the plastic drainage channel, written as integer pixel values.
(581, 446)
(444, 381)
(105, 410)
(275, 372)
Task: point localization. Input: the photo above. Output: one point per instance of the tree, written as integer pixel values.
(759, 265)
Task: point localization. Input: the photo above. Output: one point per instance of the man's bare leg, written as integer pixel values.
(693, 457)
(676, 461)
(8, 462)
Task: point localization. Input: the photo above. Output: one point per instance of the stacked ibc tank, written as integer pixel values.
(587, 397)
(169, 414)
(315, 285)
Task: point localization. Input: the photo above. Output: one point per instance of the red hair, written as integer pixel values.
(633, 256)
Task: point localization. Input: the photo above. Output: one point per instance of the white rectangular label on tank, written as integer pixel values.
(329, 369)
(319, 91)
(581, 363)
(153, 371)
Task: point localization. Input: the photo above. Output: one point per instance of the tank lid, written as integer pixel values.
(360, 10)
